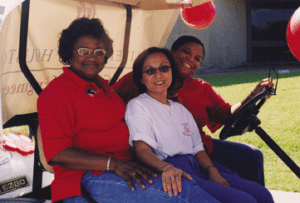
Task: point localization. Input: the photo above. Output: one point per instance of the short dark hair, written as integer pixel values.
(186, 39)
(139, 63)
(79, 28)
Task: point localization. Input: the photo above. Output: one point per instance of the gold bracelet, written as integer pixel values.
(108, 163)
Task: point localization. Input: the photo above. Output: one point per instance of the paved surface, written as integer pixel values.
(285, 197)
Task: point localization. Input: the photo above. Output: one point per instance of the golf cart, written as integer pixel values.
(40, 74)
(28, 177)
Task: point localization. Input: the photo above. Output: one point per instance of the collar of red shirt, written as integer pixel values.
(83, 83)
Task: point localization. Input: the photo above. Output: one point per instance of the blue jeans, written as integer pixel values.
(109, 187)
(244, 159)
(240, 190)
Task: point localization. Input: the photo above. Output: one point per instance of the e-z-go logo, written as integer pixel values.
(13, 184)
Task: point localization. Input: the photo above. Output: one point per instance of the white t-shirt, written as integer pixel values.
(169, 130)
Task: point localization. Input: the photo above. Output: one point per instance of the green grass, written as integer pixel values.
(280, 119)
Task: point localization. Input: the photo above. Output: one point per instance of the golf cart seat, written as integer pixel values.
(42, 158)
(32, 121)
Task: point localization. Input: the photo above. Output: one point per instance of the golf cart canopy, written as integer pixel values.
(134, 25)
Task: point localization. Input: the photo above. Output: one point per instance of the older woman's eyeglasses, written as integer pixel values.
(152, 71)
(87, 52)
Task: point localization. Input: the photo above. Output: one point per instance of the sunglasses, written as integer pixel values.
(87, 52)
(152, 71)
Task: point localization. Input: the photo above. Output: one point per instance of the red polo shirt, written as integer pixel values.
(206, 105)
(76, 113)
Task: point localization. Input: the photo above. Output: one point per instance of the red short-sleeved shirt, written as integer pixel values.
(205, 104)
(76, 113)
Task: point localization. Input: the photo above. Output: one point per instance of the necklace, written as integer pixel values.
(167, 105)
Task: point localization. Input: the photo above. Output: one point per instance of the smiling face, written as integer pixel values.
(87, 67)
(158, 83)
(188, 58)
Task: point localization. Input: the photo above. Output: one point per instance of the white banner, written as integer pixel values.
(46, 20)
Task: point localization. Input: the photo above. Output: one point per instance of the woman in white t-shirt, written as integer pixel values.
(165, 136)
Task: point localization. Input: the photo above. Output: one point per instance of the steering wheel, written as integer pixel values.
(245, 119)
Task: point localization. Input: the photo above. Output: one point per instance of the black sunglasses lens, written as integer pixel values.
(164, 69)
(151, 71)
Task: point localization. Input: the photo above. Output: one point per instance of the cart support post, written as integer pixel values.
(23, 47)
(125, 45)
(38, 173)
(280, 153)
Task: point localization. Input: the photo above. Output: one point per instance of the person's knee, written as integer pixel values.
(77, 199)
(241, 197)
(264, 195)
(256, 151)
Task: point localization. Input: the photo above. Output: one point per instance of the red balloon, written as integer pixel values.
(293, 34)
(200, 16)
